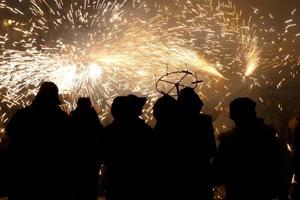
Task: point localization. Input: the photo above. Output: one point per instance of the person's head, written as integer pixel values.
(127, 107)
(84, 103)
(242, 110)
(135, 105)
(165, 108)
(189, 101)
(119, 107)
(48, 94)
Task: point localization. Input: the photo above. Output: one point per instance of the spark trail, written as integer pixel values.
(102, 49)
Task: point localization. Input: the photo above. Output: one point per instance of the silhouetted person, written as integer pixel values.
(38, 149)
(166, 150)
(126, 150)
(296, 159)
(249, 159)
(87, 133)
(197, 147)
(4, 167)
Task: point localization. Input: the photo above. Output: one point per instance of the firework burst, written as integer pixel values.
(106, 48)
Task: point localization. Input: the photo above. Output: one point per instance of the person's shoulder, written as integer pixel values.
(107, 127)
(110, 127)
(61, 111)
(23, 111)
(143, 125)
(228, 135)
(142, 122)
(21, 116)
(73, 112)
(267, 129)
(149, 128)
(205, 117)
(60, 114)
(112, 130)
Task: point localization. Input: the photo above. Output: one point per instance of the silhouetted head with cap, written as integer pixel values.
(189, 101)
(165, 108)
(127, 107)
(47, 94)
(242, 111)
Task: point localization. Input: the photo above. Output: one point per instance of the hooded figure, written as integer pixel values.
(38, 148)
(249, 159)
(126, 150)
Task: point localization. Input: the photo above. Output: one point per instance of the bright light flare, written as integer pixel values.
(95, 71)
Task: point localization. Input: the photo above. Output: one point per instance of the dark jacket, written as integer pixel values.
(126, 156)
(38, 153)
(249, 163)
(197, 147)
(87, 151)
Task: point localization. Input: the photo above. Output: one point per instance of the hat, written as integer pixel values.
(138, 101)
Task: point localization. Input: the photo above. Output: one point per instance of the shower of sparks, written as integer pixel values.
(252, 58)
(102, 48)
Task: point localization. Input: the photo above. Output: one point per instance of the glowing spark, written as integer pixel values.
(252, 59)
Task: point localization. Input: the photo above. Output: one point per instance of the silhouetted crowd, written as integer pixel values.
(51, 155)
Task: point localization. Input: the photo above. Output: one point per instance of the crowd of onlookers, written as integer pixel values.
(52, 155)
